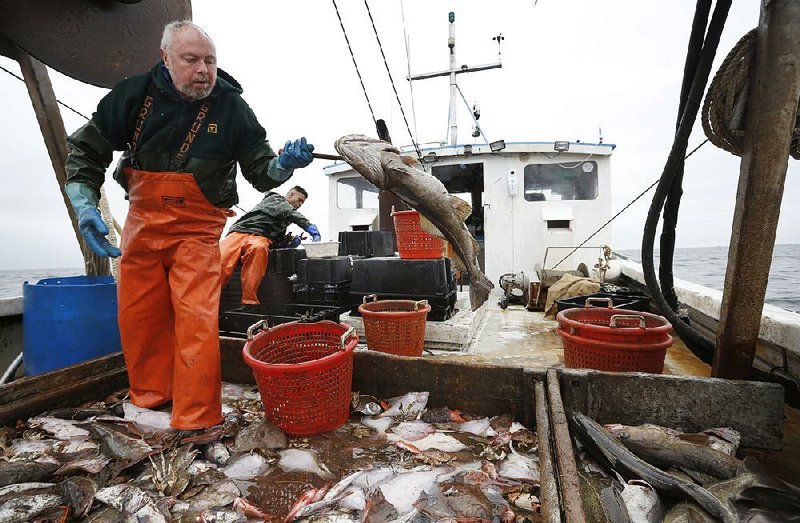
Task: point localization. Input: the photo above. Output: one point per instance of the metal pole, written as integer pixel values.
(771, 112)
(451, 43)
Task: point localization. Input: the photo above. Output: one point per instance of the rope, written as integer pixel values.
(391, 80)
(724, 111)
(108, 218)
(353, 56)
(57, 100)
(621, 211)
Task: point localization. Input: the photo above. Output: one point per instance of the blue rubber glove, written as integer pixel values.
(295, 242)
(94, 231)
(296, 155)
(314, 232)
(84, 201)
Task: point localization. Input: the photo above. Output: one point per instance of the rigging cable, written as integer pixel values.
(475, 120)
(408, 64)
(57, 100)
(102, 204)
(621, 210)
(358, 72)
(391, 80)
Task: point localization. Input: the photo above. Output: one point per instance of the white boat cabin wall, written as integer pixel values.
(525, 198)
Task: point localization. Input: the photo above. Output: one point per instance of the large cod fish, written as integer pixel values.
(383, 166)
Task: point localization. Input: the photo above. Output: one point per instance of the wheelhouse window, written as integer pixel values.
(465, 180)
(356, 193)
(557, 182)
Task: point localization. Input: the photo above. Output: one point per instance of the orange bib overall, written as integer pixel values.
(253, 251)
(168, 294)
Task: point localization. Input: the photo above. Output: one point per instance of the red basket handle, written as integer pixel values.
(343, 341)
(420, 304)
(368, 296)
(259, 325)
(609, 301)
(613, 321)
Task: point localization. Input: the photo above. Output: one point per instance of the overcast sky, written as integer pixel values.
(569, 68)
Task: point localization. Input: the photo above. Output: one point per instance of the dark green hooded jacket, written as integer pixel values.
(229, 134)
(270, 218)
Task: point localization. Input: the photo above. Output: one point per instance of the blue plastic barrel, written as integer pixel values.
(68, 320)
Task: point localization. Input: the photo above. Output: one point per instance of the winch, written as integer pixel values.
(516, 287)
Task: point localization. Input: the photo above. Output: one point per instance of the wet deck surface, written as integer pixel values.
(518, 337)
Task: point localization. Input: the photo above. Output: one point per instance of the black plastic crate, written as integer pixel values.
(275, 287)
(367, 243)
(633, 302)
(395, 276)
(332, 270)
(237, 321)
(328, 297)
(285, 260)
(323, 293)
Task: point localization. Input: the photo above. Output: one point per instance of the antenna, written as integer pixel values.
(452, 72)
(476, 114)
(499, 39)
(600, 128)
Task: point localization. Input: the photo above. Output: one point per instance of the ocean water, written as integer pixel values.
(11, 281)
(706, 266)
(702, 265)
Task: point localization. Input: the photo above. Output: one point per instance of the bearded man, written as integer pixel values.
(183, 126)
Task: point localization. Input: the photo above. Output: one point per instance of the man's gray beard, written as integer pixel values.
(196, 93)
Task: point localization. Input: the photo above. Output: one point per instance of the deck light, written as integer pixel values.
(468, 149)
(499, 145)
(429, 158)
(561, 146)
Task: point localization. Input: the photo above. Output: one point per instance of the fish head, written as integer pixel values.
(617, 430)
(366, 155)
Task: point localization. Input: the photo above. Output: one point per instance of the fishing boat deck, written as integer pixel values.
(516, 337)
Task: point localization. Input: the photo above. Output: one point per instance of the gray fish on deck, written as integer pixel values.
(665, 448)
(605, 447)
(25, 471)
(383, 166)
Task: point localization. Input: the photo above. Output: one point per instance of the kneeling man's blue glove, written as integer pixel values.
(314, 232)
(295, 242)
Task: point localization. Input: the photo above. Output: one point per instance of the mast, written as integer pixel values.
(451, 73)
(451, 43)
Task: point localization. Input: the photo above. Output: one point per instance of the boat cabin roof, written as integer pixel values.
(442, 152)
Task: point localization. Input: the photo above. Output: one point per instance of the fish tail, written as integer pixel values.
(479, 288)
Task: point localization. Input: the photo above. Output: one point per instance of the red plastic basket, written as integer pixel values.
(395, 326)
(412, 242)
(583, 353)
(614, 325)
(304, 373)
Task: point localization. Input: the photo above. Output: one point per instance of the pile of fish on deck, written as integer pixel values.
(392, 461)
(675, 477)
